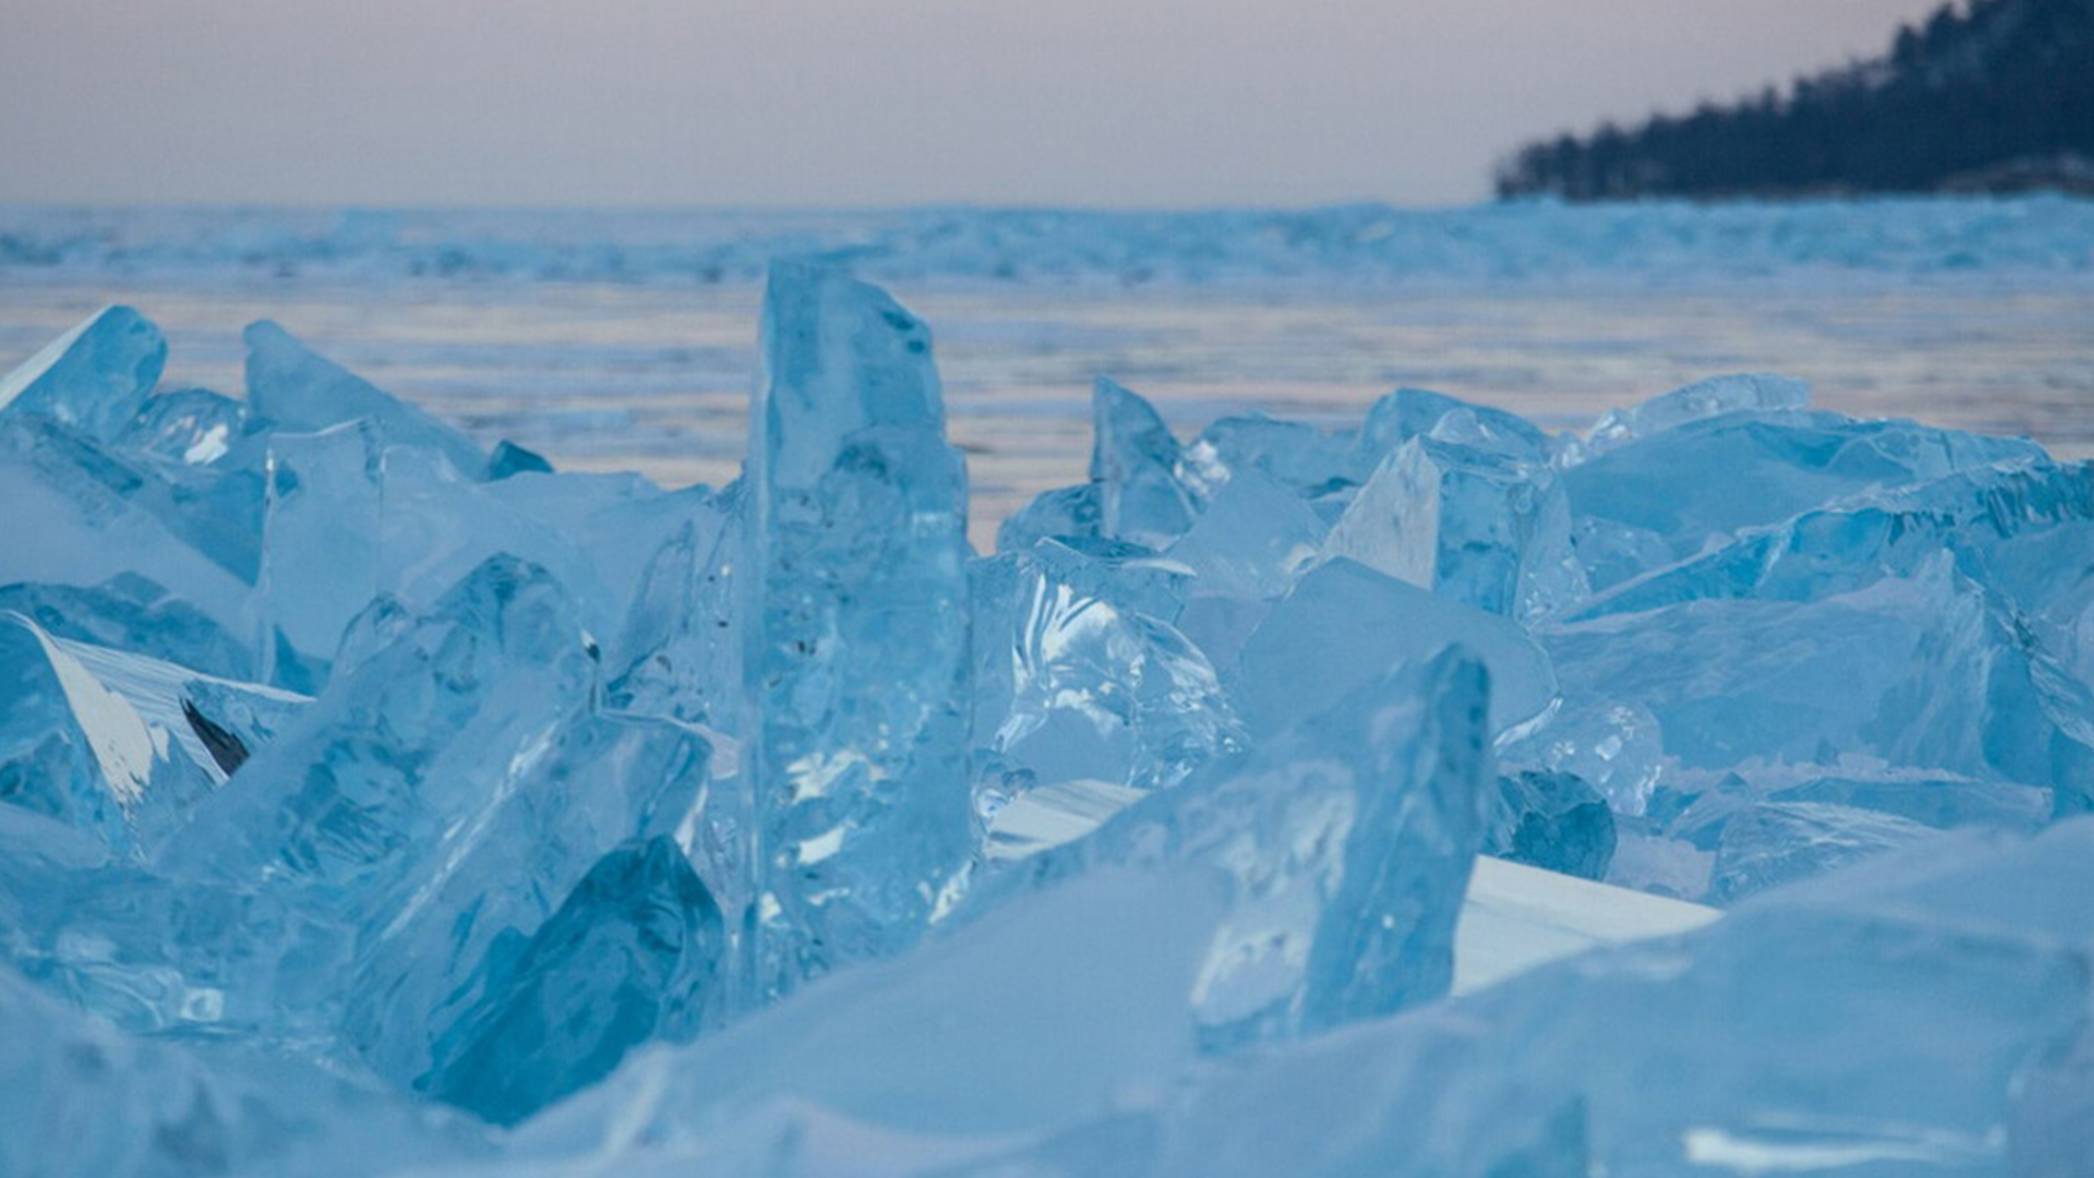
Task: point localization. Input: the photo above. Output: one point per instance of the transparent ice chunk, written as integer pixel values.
(92, 379)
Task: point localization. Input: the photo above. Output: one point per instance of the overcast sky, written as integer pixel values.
(844, 102)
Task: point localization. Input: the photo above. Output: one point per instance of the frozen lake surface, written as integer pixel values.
(626, 340)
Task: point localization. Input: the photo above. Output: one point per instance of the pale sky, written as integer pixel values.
(828, 102)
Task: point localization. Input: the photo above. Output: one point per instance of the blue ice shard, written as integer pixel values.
(1776, 843)
(1315, 464)
(119, 744)
(1345, 843)
(634, 950)
(594, 784)
(1134, 465)
(1413, 413)
(679, 651)
(856, 657)
(1345, 625)
(1076, 686)
(1793, 462)
(511, 459)
(1246, 550)
(131, 613)
(92, 379)
(82, 516)
(1060, 514)
(1937, 993)
(1551, 820)
(1717, 396)
(402, 758)
(1483, 529)
(1923, 673)
(184, 427)
(292, 388)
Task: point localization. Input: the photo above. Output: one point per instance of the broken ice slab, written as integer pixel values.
(85, 1098)
(1924, 1021)
(1315, 465)
(119, 744)
(597, 782)
(130, 612)
(1922, 672)
(80, 516)
(350, 517)
(184, 427)
(1076, 685)
(155, 955)
(1134, 465)
(1346, 842)
(855, 663)
(511, 459)
(92, 379)
(1791, 461)
(1058, 514)
(1747, 392)
(679, 651)
(1040, 1017)
(635, 950)
(1774, 843)
(405, 755)
(1478, 527)
(1346, 624)
(1987, 515)
(1411, 413)
(1552, 820)
(1251, 542)
(1613, 747)
(291, 388)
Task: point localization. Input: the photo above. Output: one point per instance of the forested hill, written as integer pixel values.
(1996, 95)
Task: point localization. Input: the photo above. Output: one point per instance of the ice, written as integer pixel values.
(634, 949)
(679, 652)
(87, 1099)
(856, 655)
(1794, 461)
(1134, 466)
(93, 378)
(1714, 397)
(293, 389)
(1780, 842)
(1078, 684)
(1346, 842)
(82, 517)
(1482, 529)
(184, 427)
(1345, 624)
(1411, 413)
(1552, 820)
(117, 743)
(1267, 803)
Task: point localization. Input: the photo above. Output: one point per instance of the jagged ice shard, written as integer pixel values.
(1429, 794)
(856, 651)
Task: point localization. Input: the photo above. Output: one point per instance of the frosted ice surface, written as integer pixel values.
(1778, 842)
(93, 378)
(855, 661)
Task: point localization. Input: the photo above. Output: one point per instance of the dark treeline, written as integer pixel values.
(1999, 94)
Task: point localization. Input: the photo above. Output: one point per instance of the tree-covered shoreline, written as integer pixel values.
(1996, 95)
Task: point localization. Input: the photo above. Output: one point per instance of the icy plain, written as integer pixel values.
(1702, 790)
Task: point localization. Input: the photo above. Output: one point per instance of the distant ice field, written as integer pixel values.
(624, 340)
